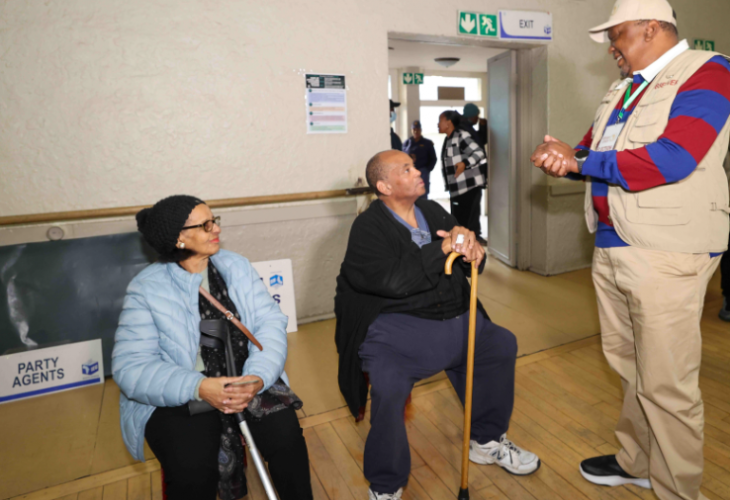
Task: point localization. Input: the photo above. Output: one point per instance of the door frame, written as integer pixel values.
(532, 122)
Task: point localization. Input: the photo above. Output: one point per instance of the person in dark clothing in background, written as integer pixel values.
(469, 120)
(395, 142)
(401, 319)
(422, 153)
(471, 115)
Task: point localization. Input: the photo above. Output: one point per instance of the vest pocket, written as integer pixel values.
(660, 206)
(650, 120)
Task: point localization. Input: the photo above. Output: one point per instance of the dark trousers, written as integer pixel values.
(399, 350)
(466, 208)
(725, 273)
(187, 448)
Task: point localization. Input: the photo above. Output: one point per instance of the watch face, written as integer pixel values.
(582, 154)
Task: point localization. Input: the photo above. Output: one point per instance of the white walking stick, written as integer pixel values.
(219, 330)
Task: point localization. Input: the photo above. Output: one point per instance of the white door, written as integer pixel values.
(502, 199)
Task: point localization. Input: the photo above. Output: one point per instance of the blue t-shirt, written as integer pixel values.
(420, 235)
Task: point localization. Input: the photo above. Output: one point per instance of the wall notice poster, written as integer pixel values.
(326, 104)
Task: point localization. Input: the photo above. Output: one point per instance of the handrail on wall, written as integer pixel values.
(101, 213)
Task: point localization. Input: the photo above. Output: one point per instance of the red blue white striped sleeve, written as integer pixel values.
(699, 112)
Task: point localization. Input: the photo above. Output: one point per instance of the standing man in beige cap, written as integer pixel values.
(657, 199)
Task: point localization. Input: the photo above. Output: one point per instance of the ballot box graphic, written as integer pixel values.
(278, 278)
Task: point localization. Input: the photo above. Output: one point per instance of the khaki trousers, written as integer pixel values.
(649, 305)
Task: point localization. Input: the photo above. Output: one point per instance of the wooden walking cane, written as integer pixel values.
(464, 490)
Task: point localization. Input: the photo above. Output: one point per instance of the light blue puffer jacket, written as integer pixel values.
(156, 343)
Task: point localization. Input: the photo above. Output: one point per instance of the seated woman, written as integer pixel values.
(160, 366)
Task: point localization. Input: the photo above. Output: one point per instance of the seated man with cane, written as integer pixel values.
(401, 319)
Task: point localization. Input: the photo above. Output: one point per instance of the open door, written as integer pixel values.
(502, 199)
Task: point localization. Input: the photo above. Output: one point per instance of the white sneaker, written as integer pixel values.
(385, 496)
(506, 454)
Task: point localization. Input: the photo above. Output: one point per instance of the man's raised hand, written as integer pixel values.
(555, 158)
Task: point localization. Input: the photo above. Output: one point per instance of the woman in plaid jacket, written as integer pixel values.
(461, 159)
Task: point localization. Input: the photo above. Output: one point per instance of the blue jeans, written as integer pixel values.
(400, 350)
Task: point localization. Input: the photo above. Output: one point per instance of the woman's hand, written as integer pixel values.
(243, 394)
(227, 398)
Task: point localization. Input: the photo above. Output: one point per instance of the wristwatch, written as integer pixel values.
(581, 157)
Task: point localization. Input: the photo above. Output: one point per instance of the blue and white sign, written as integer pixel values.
(54, 369)
(279, 280)
(525, 25)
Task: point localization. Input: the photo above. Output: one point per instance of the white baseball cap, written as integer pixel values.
(634, 10)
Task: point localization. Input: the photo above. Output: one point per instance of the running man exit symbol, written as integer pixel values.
(468, 23)
(488, 25)
(412, 78)
(708, 45)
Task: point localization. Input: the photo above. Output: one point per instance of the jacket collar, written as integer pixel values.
(651, 71)
(425, 206)
(190, 282)
(186, 281)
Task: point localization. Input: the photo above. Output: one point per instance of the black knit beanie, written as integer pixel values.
(161, 224)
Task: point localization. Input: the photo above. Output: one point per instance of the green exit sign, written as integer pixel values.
(705, 45)
(475, 23)
(413, 78)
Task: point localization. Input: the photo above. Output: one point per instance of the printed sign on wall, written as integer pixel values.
(53, 369)
(525, 25)
(412, 78)
(476, 23)
(326, 100)
(708, 45)
(279, 280)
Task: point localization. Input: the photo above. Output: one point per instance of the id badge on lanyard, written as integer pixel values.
(612, 132)
(610, 137)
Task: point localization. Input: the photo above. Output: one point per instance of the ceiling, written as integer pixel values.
(422, 55)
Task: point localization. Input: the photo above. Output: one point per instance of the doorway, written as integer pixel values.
(519, 102)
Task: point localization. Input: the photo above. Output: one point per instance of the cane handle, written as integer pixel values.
(450, 261)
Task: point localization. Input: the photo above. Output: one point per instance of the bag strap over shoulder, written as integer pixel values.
(230, 317)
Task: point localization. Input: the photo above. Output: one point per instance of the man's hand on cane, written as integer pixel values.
(467, 245)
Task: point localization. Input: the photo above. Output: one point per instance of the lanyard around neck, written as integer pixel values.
(629, 98)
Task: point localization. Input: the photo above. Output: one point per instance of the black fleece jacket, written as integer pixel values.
(384, 271)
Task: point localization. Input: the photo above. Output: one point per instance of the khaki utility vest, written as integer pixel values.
(689, 216)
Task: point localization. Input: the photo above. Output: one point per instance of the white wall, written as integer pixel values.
(106, 103)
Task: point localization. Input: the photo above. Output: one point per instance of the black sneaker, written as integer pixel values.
(606, 471)
(725, 311)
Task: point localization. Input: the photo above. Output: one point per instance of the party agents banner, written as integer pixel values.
(279, 280)
(54, 369)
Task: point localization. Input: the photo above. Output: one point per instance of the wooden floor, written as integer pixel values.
(567, 402)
